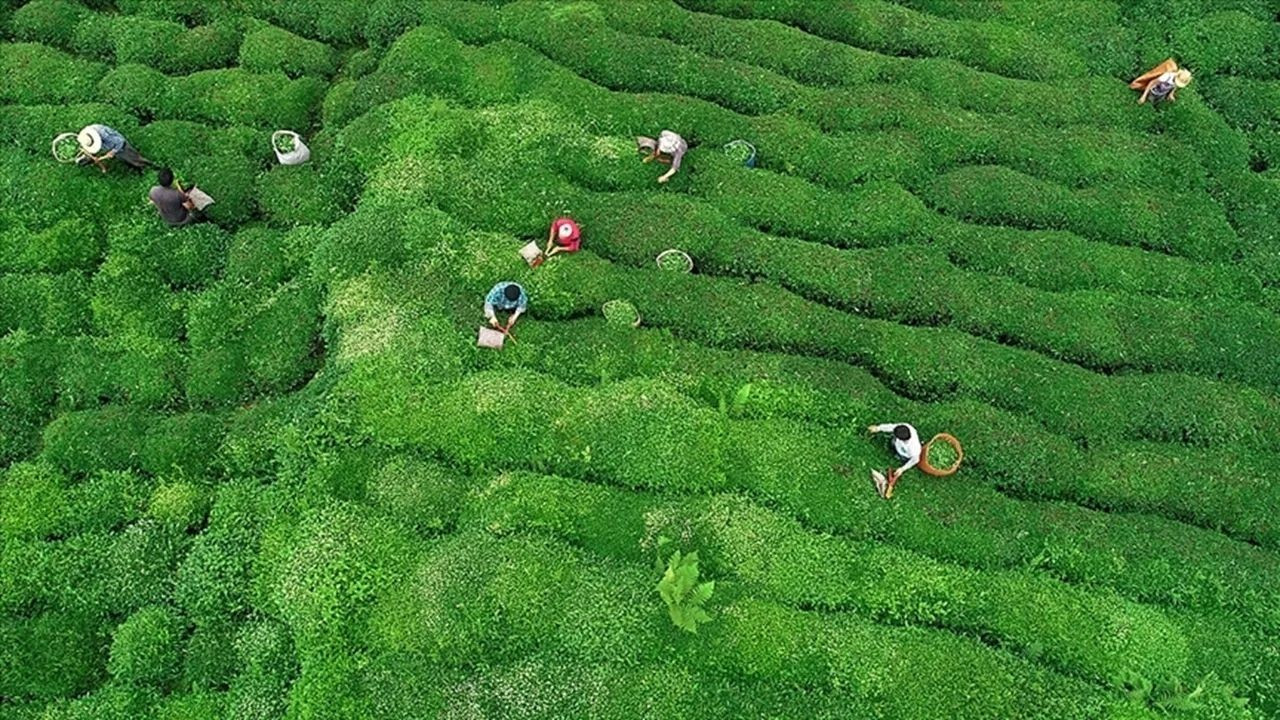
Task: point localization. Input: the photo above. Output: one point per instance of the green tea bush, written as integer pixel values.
(179, 506)
(33, 501)
(145, 648)
(245, 338)
(130, 299)
(49, 656)
(70, 244)
(212, 583)
(263, 256)
(44, 303)
(186, 259)
(35, 75)
(308, 195)
(50, 22)
(1230, 42)
(267, 49)
(900, 31)
(145, 371)
(164, 45)
(268, 666)
(84, 442)
(137, 89)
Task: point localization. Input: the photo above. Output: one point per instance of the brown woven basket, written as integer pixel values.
(936, 472)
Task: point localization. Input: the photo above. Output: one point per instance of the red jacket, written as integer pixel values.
(567, 234)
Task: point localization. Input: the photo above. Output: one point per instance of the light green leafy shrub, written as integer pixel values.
(145, 648)
(35, 74)
(48, 21)
(268, 49)
(683, 594)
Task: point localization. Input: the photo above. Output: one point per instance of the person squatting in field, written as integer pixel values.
(1161, 82)
(505, 297)
(906, 443)
(668, 148)
(565, 236)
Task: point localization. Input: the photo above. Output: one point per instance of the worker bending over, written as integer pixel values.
(906, 443)
(505, 297)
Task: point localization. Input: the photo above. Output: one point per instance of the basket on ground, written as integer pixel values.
(942, 455)
(289, 148)
(66, 148)
(675, 261)
(620, 312)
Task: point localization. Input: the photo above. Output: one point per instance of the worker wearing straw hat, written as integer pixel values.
(1161, 82)
(95, 139)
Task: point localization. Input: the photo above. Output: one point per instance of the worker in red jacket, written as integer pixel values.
(565, 236)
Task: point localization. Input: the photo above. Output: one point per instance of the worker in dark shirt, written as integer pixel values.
(175, 206)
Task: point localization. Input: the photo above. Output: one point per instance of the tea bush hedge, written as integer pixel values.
(256, 466)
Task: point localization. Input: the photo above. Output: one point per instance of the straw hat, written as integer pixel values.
(90, 140)
(1182, 78)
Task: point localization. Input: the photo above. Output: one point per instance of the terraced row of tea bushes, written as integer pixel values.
(1234, 509)
(269, 49)
(167, 46)
(883, 213)
(957, 521)
(889, 28)
(774, 558)
(993, 194)
(791, 144)
(693, 306)
(748, 639)
(35, 75)
(227, 97)
(922, 140)
(943, 82)
(1100, 332)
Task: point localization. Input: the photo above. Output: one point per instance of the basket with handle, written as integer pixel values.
(674, 260)
(620, 312)
(62, 148)
(743, 149)
(929, 469)
(298, 155)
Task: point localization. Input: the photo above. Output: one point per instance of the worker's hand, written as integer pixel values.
(110, 154)
(494, 322)
(650, 157)
(664, 178)
(871, 428)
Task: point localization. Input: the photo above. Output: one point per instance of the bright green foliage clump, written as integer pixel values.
(683, 594)
(256, 467)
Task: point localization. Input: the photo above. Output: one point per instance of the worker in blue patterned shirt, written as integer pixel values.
(96, 139)
(505, 297)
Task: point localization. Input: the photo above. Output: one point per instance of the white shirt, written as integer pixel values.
(909, 449)
(669, 143)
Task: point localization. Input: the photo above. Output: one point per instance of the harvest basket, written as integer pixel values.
(65, 147)
(675, 261)
(945, 450)
(289, 148)
(620, 312)
(742, 151)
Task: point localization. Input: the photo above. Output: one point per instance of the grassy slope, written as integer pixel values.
(253, 468)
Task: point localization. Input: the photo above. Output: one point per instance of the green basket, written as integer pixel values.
(621, 312)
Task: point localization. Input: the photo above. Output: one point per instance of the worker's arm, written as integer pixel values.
(1173, 94)
(489, 313)
(511, 321)
(907, 466)
(887, 427)
(1145, 91)
(553, 249)
(675, 165)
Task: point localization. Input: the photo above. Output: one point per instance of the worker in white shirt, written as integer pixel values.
(906, 443)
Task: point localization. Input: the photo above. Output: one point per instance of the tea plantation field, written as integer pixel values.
(256, 467)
